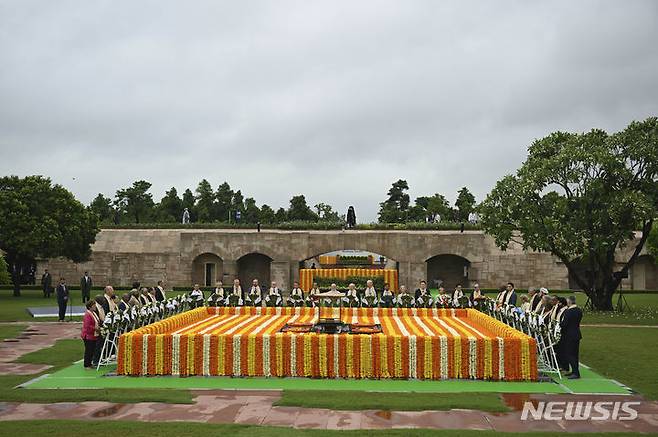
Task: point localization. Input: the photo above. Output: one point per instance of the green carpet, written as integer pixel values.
(76, 377)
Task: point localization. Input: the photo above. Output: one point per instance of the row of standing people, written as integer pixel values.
(369, 297)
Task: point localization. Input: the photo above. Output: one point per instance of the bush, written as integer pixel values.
(361, 260)
(4, 271)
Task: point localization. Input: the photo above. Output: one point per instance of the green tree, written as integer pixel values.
(170, 208)
(251, 211)
(438, 206)
(465, 204)
(652, 243)
(266, 214)
(280, 216)
(4, 271)
(135, 202)
(326, 213)
(224, 196)
(299, 210)
(395, 209)
(102, 207)
(205, 202)
(237, 204)
(581, 197)
(41, 220)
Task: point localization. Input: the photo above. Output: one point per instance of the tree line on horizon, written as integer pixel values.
(135, 204)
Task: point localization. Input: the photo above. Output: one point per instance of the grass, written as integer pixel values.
(11, 331)
(359, 400)
(62, 354)
(66, 428)
(15, 308)
(625, 354)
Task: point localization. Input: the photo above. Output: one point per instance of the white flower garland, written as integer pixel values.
(336, 355)
(293, 355)
(501, 358)
(472, 357)
(412, 356)
(444, 357)
(266, 355)
(145, 349)
(206, 354)
(175, 355)
(236, 355)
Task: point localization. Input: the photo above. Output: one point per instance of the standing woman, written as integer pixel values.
(90, 327)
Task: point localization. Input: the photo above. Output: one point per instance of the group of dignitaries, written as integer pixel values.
(550, 310)
(273, 296)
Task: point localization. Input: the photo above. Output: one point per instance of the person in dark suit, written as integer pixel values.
(510, 299)
(351, 217)
(46, 283)
(159, 292)
(85, 286)
(62, 298)
(421, 290)
(124, 305)
(571, 336)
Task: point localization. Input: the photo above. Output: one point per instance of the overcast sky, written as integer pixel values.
(334, 100)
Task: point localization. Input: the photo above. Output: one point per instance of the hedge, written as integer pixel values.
(300, 225)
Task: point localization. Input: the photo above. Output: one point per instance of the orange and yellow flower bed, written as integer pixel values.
(414, 343)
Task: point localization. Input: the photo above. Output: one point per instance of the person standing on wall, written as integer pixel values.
(85, 287)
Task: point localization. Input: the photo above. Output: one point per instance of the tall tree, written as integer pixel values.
(41, 220)
(652, 243)
(581, 197)
(170, 208)
(266, 214)
(299, 210)
(395, 209)
(205, 202)
(102, 207)
(224, 196)
(280, 216)
(237, 204)
(326, 213)
(251, 211)
(135, 202)
(465, 204)
(4, 271)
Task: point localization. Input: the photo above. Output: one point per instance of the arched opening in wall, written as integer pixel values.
(348, 265)
(447, 271)
(207, 269)
(644, 273)
(254, 266)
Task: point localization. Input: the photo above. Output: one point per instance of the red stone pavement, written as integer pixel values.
(256, 407)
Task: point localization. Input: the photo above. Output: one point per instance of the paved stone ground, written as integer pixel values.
(256, 407)
(35, 337)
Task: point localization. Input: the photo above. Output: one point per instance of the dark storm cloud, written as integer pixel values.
(335, 100)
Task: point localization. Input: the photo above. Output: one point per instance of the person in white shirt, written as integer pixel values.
(351, 298)
(315, 289)
(296, 298)
(197, 296)
(405, 300)
(370, 295)
(217, 298)
(273, 297)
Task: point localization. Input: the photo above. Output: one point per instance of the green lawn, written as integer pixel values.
(66, 428)
(15, 308)
(10, 331)
(62, 354)
(625, 354)
(359, 400)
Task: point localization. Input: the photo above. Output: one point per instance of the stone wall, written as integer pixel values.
(178, 256)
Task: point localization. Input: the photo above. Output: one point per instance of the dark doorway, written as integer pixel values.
(447, 271)
(254, 266)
